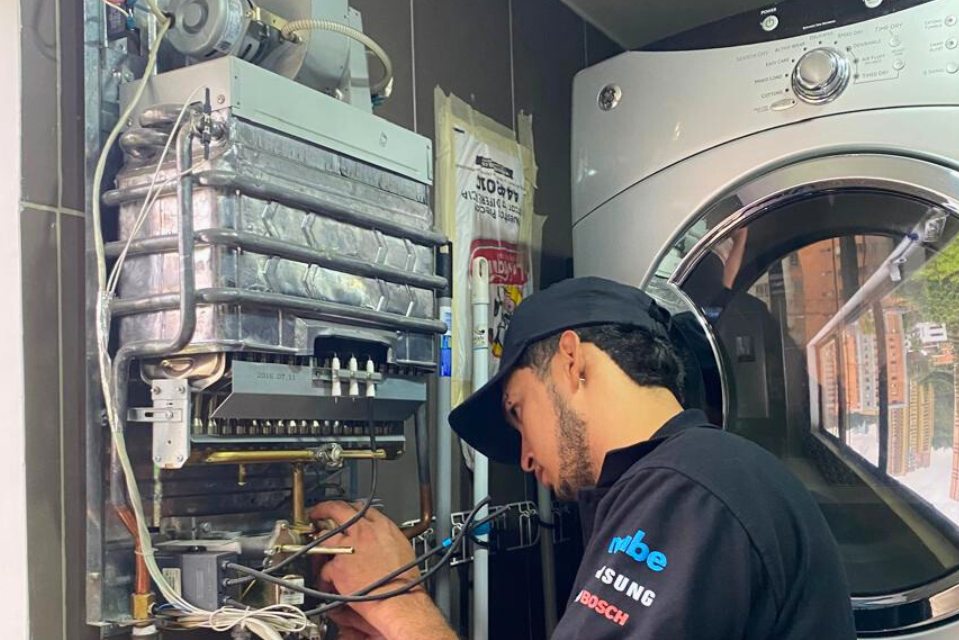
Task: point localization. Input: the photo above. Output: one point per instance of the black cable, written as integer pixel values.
(332, 532)
(360, 596)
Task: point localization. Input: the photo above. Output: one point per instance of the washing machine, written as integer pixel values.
(786, 181)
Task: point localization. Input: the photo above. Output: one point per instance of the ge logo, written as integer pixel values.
(609, 97)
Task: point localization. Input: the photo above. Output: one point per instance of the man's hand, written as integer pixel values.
(379, 548)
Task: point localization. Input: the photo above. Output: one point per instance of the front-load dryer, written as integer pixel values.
(789, 180)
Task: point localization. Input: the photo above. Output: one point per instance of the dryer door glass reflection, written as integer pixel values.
(838, 318)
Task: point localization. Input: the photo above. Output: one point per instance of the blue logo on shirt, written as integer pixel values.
(635, 548)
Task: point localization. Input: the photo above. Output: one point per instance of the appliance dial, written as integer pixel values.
(820, 76)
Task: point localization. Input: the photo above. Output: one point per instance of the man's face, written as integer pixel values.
(555, 445)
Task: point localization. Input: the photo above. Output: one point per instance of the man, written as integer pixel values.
(691, 533)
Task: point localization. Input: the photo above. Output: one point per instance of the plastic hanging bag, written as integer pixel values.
(485, 181)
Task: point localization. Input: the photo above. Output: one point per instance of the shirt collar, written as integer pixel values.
(618, 461)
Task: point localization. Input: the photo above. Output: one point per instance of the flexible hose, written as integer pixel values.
(384, 87)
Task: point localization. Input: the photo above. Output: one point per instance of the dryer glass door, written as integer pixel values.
(831, 293)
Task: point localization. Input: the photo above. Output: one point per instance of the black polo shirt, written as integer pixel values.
(698, 534)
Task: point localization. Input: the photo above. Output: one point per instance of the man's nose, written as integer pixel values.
(526, 460)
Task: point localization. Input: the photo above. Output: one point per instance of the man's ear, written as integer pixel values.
(570, 360)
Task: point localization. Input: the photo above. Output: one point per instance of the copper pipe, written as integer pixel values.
(255, 457)
(422, 434)
(363, 454)
(291, 455)
(142, 581)
(315, 551)
(300, 519)
(426, 513)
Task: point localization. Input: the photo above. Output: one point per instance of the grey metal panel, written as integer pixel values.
(462, 46)
(71, 104)
(39, 78)
(273, 101)
(389, 24)
(41, 346)
(72, 418)
(271, 391)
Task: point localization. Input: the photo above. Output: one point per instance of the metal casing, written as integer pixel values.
(675, 105)
(262, 97)
(294, 240)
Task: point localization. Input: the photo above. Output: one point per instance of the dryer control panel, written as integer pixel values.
(672, 105)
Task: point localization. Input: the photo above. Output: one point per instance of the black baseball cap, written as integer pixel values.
(573, 303)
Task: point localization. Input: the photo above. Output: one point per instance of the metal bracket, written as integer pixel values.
(170, 417)
(267, 18)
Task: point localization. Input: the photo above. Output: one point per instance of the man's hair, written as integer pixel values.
(648, 359)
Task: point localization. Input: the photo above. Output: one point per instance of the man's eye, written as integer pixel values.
(514, 411)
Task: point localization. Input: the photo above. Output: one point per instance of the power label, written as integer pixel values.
(175, 578)
(286, 595)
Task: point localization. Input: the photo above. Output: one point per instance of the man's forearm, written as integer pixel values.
(413, 617)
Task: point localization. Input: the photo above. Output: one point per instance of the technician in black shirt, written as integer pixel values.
(691, 533)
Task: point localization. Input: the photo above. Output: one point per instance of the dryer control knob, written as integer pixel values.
(820, 76)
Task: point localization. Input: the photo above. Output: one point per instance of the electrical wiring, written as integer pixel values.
(384, 87)
(362, 594)
(111, 140)
(152, 193)
(117, 7)
(453, 543)
(267, 624)
(271, 620)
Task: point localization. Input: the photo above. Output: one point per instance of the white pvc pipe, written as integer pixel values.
(479, 287)
(444, 434)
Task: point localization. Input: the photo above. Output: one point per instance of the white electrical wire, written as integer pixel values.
(117, 7)
(152, 193)
(267, 623)
(384, 87)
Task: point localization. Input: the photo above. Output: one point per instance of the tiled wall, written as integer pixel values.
(52, 228)
(503, 56)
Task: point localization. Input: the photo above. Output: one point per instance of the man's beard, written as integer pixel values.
(575, 469)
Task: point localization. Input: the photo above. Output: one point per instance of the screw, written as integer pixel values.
(156, 459)
(179, 457)
(609, 97)
(156, 391)
(181, 389)
(220, 99)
